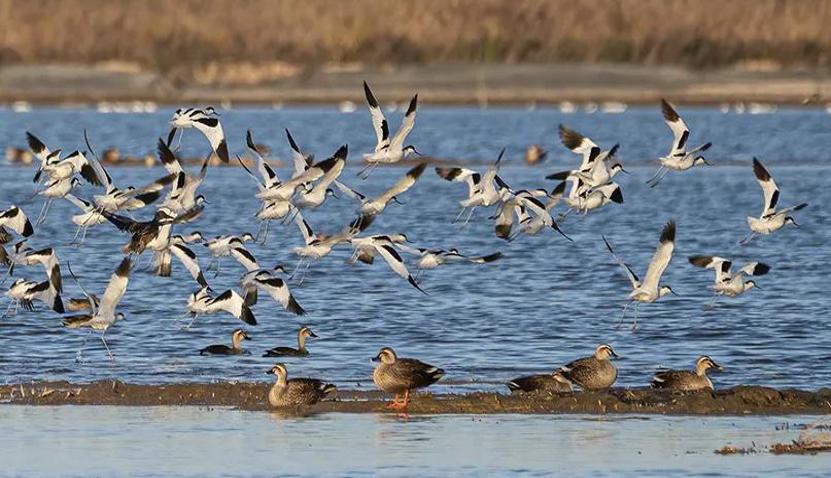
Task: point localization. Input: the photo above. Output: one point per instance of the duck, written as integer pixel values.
(297, 391)
(235, 349)
(686, 380)
(401, 375)
(300, 351)
(554, 382)
(593, 373)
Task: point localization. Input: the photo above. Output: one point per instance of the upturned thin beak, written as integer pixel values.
(706, 162)
(795, 224)
(757, 286)
(674, 293)
(417, 152)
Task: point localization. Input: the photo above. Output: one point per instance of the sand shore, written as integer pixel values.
(741, 400)
(479, 84)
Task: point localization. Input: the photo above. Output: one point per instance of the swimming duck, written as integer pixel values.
(297, 391)
(400, 375)
(685, 380)
(300, 351)
(595, 372)
(235, 349)
(554, 382)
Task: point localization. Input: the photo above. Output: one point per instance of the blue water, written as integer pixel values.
(187, 441)
(546, 302)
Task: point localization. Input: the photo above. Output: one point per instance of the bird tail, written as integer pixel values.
(57, 303)
(513, 386)
(329, 388)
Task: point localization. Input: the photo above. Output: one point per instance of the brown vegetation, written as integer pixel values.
(183, 37)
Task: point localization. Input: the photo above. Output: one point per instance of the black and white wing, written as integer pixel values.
(115, 288)
(680, 131)
(188, 259)
(244, 257)
(720, 265)
(403, 184)
(406, 125)
(168, 159)
(16, 219)
(379, 123)
(662, 257)
(301, 161)
(581, 145)
(231, 302)
(387, 250)
(769, 188)
(270, 177)
(279, 291)
(633, 278)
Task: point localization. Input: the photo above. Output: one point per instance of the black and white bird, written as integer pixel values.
(90, 217)
(314, 194)
(770, 220)
(23, 293)
(371, 207)
(202, 302)
(432, 258)
(388, 150)
(23, 255)
(317, 246)
(726, 282)
(103, 313)
(274, 286)
(54, 189)
(221, 246)
(205, 121)
(680, 158)
(584, 200)
(597, 168)
(650, 289)
(482, 189)
(153, 234)
(386, 248)
(163, 260)
(15, 219)
(364, 248)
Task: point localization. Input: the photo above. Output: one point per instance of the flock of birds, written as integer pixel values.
(585, 189)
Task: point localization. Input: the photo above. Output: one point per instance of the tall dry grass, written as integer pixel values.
(167, 35)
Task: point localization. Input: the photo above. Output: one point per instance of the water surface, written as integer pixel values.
(547, 302)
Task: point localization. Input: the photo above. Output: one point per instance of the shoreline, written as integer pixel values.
(740, 400)
(439, 84)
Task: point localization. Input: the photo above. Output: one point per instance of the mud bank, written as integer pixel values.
(741, 400)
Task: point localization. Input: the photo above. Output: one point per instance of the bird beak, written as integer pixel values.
(313, 335)
(246, 337)
(757, 286)
(718, 367)
(623, 170)
(674, 293)
(269, 372)
(377, 358)
(615, 355)
(417, 152)
(795, 224)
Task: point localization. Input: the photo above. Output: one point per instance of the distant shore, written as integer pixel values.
(740, 400)
(607, 85)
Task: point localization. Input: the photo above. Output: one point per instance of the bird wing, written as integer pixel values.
(301, 161)
(769, 188)
(720, 265)
(306, 230)
(231, 302)
(168, 159)
(379, 123)
(581, 145)
(270, 177)
(633, 278)
(471, 177)
(349, 192)
(15, 218)
(680, 131)
(406, 125)
(403, 184)
(188, 259)
(212, 129)
(387, 250)
(276, 288)
(662, 256)
(115, 288)
(38, 148)
(244, 257)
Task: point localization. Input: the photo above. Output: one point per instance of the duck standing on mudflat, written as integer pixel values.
(300, 351)
(235, 349)
(593, 373)
(400, 375)
(554, 382)
(297, 391)
(686, 380)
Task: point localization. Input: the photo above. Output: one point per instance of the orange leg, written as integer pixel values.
(394, 403)
(402, 405)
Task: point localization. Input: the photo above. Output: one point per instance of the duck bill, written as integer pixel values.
(377, 358)
(313, 335)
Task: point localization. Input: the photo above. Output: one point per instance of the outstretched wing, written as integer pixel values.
(633, 278)
(115, 288)
(680, 131)
(379, 123)
(662, 256)
(403, 184)
(769, 188)
(406, 125)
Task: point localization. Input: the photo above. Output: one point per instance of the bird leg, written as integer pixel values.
(43, 211)
(394, 403)
(78, 354)
(218, 262)
(264, 230)
(364, 173)
(459, 216)
(637, 313)
(623, 315)
(297, 267)
(469, 216)
(106, 346)
(192, 320)
(657, 173)
(303, 277)
(747, 239)
(712, 303)
(9, 309)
